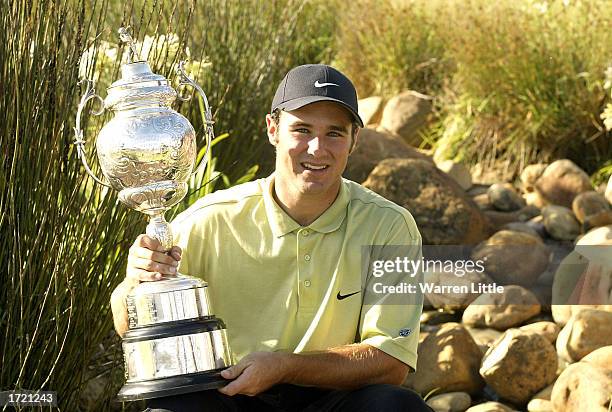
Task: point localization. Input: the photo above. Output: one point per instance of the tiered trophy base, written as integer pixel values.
(171, 386)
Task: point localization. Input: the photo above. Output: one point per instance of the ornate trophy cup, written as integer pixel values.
(147, 152)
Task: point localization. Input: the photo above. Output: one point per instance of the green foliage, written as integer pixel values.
(514, 81)
(63, 239)
(388, 46)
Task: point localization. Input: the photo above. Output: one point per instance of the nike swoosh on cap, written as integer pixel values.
(317, 84)
(340, 297)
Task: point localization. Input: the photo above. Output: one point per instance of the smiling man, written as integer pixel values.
(284, 258)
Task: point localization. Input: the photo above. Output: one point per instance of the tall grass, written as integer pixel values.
(388, 46)
(63, 239)
(514, 81)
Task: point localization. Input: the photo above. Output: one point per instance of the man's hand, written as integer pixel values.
(146, 262)
(255, 373)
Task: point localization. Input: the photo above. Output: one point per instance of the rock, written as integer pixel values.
(442, 210)
(549, 330)
(562, 181)
(484, 338)
(602, 358)
(450, 402)
(373, 147)
(501, 252)
(586, 331)
(535, 199)
(491, 407)
(519, 365)
(521, 227)
(499, 219)
(405, 114)
(589, 203)
(608, 193)
(452, 358)
(537, 224)
(502, 311)
(455, 300)
(545, 393)
(539, 405)
(582, 387)
(458, 172)
(603, 218)
(483, 202)
(530, 175)
(370, 109)
(503, 197)
(560, 222)
(527, 213)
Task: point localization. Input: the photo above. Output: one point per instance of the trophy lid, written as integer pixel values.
(168, 284)
(138, 86)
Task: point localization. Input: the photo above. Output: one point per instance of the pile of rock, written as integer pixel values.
(536, 346)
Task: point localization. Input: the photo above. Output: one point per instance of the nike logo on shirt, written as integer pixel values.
(340, 297)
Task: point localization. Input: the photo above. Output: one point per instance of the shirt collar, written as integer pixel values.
(281, 223)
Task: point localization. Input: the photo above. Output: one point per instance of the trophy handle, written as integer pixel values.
(90, 93)
(210, 134)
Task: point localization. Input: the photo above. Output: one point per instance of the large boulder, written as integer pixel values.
(583, 386)
(373, 147)
(452, 359)
(502, 310)
(457, 171)
(560, 222)
(444, 213)
(562, 181)
(503, 197)
(370, 109)
(450, 402)
(586, 331)
(519, 365)
(530, 175)
(501, 252)
(405, 114)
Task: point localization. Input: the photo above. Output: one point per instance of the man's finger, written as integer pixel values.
(151, 266)
(176, 252)
(234, 371)
(143, 275)
(158, 257)
(233, 387)
(148, 242)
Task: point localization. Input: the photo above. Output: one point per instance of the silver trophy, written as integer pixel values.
(147, 152)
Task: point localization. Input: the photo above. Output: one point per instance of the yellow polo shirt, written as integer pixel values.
(280, 286)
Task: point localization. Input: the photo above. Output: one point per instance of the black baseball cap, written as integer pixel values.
(311, 83)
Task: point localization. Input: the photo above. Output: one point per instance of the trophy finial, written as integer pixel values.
(126, 37)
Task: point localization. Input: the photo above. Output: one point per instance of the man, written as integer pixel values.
(284, 259)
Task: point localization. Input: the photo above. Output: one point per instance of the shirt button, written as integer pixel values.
(305, 232)
(307, 257)
(307, 283)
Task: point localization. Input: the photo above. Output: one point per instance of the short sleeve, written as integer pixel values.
(393, 300)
